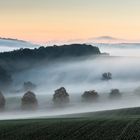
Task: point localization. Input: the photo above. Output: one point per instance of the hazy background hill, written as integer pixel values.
(9, 44)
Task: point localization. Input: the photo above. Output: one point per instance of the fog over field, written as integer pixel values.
(121, 49)
(78, 76)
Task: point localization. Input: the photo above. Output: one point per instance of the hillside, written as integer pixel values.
(51, 52)
(73, 128)
(23, 59)
(124, 112)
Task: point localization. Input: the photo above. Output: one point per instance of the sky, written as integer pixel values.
(52, 20)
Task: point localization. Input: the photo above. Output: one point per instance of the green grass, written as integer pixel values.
(123, 125)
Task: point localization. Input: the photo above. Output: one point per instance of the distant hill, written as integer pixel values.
(107, 39)
(12, 39)
(8, 44)
(22, 59)
(51, 52)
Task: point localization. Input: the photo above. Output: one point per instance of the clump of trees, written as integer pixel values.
(61, 96)
(27, 86)
(115, 93)
(29, 100)
(90, 95)
(106, 76)
(53, 52)
(2, 101)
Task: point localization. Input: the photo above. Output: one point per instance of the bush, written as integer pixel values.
(90, 95)
(115, 93)
(61, 96)
(29, 100)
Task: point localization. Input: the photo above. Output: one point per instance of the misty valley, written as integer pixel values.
(68, 79)
(69, 69)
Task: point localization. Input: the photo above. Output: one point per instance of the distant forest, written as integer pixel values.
(22, 59)
(52, 52)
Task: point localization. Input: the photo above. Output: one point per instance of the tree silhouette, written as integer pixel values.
(106, 76)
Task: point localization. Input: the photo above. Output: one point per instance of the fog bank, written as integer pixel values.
(77, 76)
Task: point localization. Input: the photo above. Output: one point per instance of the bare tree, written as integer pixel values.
(106, 76)
(28, 86)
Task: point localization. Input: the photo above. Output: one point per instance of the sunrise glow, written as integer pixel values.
(45, 20)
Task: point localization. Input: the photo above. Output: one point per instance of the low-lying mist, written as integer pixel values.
(124, 49)
(78, 76)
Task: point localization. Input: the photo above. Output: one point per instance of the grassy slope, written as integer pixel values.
(100, 126)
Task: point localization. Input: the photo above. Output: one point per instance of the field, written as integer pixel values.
(121, 124)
